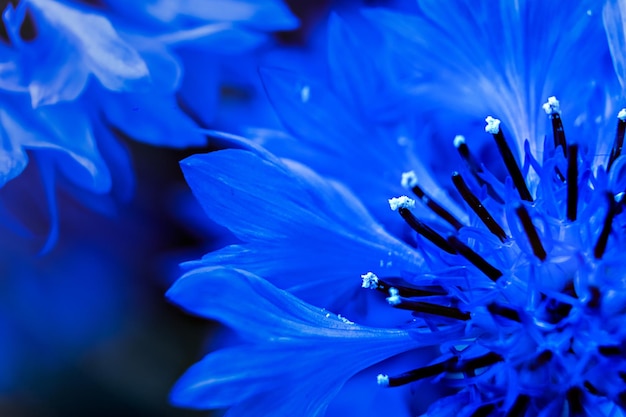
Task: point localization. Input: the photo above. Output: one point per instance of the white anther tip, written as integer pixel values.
(397, 203)
(370, 280)
(382, 380)
(394, 296)
(619, 197)
(409, 179)
(493, 125)
(459, 140)
(622, 115)
(552, 106)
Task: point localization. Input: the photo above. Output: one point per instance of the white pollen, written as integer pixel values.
(552, 106)
(394, 296)
(382, 380)
(345, 320)
(622, 115)
(409, 179)
(493, 125)
(370, 280)
(401, 202)
(619, 197)
(305, 93)
(459, 140)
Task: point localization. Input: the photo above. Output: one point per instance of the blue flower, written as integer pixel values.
(526, 283)
(74, 77)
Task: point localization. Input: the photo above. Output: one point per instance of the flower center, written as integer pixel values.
(543, 301)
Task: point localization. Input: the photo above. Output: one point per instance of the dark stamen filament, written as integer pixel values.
(609, 350)
(600, 247)
(424, 230)
(591, 388)
(407, 290)
(618, 143)
(466, 155)
(436, 207)
(428, 308)
(478, 261)
(474, 167)
(484, 410)
(511, 166)
(541, 359)
(479, 362)
(558, 132)
(421, 373)
(575, 398)
(572, 182)
(506, 312)
(478, 207)
(519, 406)
(531, 233)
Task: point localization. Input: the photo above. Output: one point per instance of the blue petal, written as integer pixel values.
(614, 15)
(279, 374)
(264, 15)
(451, 60)
(341, 142)
(151, 118)
(71, 44)
(286, 214)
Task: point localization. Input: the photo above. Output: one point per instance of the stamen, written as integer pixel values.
(575, 398)
(479, 362)
(474, 166)
(619, 138)
(506, 312)
(531, 233)
(519, 406)
(401, 202)
(484, 410)
(478, 261)
(591, 388)
(409, 180)
(611, 350)
(572, 182)
(463, 149)
(553, 109)
(394, 297)
(541, 359)
(478, 207)
(382, 380)
(371, 281)
(493, 127)
(600, 247)
(427, 308)
(417, 374)
(424, 230)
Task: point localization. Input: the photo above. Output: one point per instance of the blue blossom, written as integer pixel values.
(74, 76)
(518, 265)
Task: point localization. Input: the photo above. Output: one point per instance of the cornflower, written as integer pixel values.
(515, 279)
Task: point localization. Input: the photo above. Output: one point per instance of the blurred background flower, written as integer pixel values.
(100, 100)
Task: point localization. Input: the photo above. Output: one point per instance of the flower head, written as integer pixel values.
(520, 269)
(75, 76)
